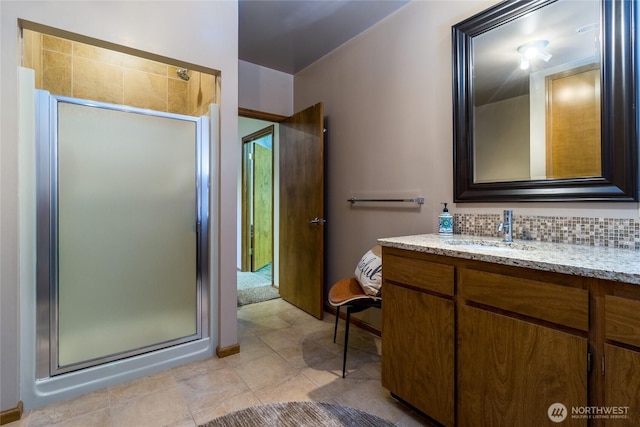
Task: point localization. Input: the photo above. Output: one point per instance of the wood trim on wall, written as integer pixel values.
(11, 415)
(227, 351)
(260, 115)
(354, 321)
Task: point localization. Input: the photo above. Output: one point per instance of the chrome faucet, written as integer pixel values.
(506, 226)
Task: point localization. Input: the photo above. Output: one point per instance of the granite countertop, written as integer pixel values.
(620, 265)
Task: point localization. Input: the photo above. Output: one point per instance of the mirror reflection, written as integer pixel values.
(536, 95)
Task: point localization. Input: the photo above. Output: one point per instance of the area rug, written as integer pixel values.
(247, 280)
(299, 414)
(258, 294)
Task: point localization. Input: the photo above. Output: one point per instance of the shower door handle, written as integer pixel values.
(316, 221)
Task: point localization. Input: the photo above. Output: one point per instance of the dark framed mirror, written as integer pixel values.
(544, 102)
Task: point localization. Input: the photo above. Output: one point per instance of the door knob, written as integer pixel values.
(317, 221)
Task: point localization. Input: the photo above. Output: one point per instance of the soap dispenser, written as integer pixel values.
(445, 219)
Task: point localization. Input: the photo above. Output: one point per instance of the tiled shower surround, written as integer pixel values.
(70, 68)
(608, 232)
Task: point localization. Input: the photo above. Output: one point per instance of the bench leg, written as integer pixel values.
(335, 328)
(346, 342)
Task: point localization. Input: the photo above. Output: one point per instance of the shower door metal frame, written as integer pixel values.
(47, 234)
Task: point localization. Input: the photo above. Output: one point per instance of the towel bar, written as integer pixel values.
(418, 200)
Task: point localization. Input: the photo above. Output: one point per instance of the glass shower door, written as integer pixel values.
(125, 220)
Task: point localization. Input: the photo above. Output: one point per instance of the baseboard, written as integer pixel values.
(355, 321)
(11, 415)
(227, 351)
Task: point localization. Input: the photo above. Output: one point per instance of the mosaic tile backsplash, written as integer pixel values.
(608, 232)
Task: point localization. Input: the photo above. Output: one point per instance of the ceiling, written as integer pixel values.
(571, 28)
(288, 35)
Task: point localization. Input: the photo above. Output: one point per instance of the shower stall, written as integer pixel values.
(122, 244)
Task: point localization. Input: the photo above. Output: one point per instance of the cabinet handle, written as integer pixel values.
(602, 363)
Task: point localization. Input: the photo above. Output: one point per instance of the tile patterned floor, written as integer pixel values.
(286, 355)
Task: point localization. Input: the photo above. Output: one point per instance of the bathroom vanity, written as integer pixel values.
(477, 331)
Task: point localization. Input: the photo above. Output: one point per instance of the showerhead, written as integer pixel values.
(183, 73)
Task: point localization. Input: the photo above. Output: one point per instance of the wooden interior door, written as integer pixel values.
(573, 123)
(301, 219)
(246, 235)
(262, 207)
(257, 199)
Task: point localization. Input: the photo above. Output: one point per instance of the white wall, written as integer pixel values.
(501, 140)
(201, 33)
(388, 97)
(264, 89)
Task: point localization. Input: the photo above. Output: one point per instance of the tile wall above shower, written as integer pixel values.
(70, 68)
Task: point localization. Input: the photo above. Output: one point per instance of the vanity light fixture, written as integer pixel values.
(532, 50)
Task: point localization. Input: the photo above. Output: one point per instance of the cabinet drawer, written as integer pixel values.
(622, 320)
(418, 273)
(563, 305)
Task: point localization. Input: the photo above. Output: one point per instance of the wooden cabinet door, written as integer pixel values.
(418, 350)
(621, 382)
(511, 371)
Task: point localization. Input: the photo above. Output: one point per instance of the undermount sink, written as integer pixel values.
(493, 245)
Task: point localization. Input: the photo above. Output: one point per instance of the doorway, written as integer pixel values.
(257, 202)
(257, 231)
(298, 235)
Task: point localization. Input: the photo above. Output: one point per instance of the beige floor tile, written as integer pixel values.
(164, 407)
(265, 371)
(201, 367)
(222, 407)
(211, 388)
(334, 347)
(282, 338)
(358, 363)
(285, 355)
(371, 397)
(366, 342)
(243, 331)
(99, 418)
(258, 311)
(264, 325)
(414, 420)
(373, 369)
(185, 422)
(310, 353)
(328, 377)
(251, 348)
(294, 389)
(68, 409)
(121, 393)
(314, 329)
(291, 314)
